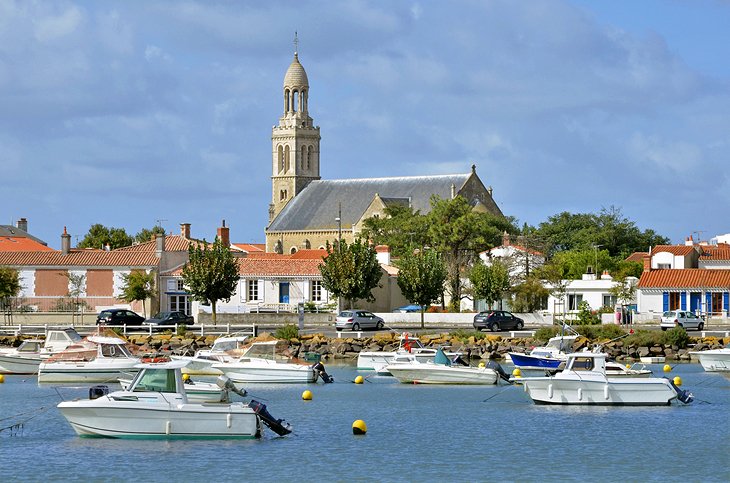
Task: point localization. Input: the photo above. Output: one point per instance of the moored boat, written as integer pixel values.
(227, 348)
(26, 358)
(378, 360)
(97, 359)
(440, 370)
(714, 360)
(268, 362)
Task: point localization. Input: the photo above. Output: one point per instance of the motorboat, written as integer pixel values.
(197, 391)
(268, 361)
(378, 360)
(156, 405)
(97, 359)
(547, 357)
(439, 370)
(227, 348)
(584, 382)
(616, 369)
(26, 358)
(714, 360)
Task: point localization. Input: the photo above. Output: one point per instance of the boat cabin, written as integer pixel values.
(58, 340)
(586, 362)
(30, 346)
(275, 350)
(165, 377)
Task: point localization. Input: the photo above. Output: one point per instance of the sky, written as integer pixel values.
(137, 113)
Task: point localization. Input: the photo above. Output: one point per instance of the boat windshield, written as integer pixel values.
(115, 350)
(30, 346)
(160, 380)
(278, 351)
(582, 364)
(225, 345)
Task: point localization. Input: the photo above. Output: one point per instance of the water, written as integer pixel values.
(415, 433)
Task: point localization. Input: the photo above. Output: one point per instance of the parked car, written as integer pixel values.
(495, 320)
(407, 309)
(358, 319)
(119, 317)
(681, 318)
(170, 318)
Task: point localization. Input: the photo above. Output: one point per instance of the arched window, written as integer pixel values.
(286, 159)
(302, 164)
(293, 250)
(307, 245)
(287, 100)
(295, 103)
(281, 158)
(310, 149)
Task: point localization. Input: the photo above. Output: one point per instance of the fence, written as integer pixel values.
(202, 329)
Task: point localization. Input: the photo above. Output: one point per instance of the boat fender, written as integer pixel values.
(580, 394)
(320, 372)
(550, 391)
(95, 392)
(605, 392)
(279, 426)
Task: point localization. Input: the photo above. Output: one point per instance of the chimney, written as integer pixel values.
(65, 242)
(224, 234)
(382, 253)
(689, 241)
(22, 224)
(185, 230)
(453, 191)
(160, 241)
(647, 262)
(505, 239)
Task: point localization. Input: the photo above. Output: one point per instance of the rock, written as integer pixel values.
(656, 350)
(643, 351)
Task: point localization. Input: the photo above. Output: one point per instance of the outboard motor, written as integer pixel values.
(95, 392)
(279, 426)
(500, 372)
(319, 371)
(683, 395)
(226, 384)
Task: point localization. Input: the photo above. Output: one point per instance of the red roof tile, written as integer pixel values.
(173, 243)
(681, 250)
(92, 258)
(278, 267)
(636, 257)
(719, 252)
(21, 244)
(250, 247)
(685, 278)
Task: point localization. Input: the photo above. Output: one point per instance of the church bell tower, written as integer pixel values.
(295, 141)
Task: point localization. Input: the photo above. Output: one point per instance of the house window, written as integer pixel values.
(664, 266)
(609, 301)
(716, 298)
(673, 300)
(180, 303)
(316, 291)
(252, 290)
(574, 300)
(180, 285)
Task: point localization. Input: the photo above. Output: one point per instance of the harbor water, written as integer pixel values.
(415, 433)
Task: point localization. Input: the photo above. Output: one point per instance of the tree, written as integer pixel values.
(530, 295)
(148, 234)
(350, 271)
(9, 285)
(99, 236)
(421, 277)
(402, 229)
(624, 291)
(459, 234)
(211, 273)
(139, 285)
(489, 282)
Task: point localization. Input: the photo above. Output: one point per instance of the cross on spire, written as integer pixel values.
(296, 43)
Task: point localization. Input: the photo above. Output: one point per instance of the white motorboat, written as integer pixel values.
(227, 348)
(440, 370)
(378, 360)
(547, 357)
(156, 405)
(615, 369)
(267, 362)
(197, 391)
(714, 360)
(99, 359)
(584, 381)
(26, 358)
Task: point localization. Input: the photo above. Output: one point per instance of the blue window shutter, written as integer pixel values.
(708, 302)
(665, 301)
(683, 300)
(726, 301)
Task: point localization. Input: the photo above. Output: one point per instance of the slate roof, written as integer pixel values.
(13, 231)
(316, 207)
(699, 278)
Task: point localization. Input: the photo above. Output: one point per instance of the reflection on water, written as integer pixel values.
(415, 433)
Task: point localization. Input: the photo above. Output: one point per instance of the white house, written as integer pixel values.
(591, 289)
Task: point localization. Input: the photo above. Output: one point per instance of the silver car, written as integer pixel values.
(358, 319)
(681, 318)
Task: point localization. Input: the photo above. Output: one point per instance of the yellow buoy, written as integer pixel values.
(517, 372)
(481, 364)
(628, 366)
(186, 377)
(359, 427)
(667, 368)
(307, 395)
(677, 381)
(359, 380)
(2, 378)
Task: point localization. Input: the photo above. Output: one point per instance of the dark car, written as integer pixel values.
(170, 318)
(495, 320)
(118, 317)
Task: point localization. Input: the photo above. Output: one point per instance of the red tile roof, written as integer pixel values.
(681, 250)
(310, 254)
(21, 244)
(250, 247)
(718, 252)
(173, 243)
(278, 267)
(636, 257)
(686, 278)
(92, 258)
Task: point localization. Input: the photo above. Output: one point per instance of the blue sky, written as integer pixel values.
(126, 113)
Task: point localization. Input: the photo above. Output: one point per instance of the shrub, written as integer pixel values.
(182, 329)
(585, 315)
(545, 333)
(608, 331)
(677, 336)
(288, 332)
(645, 338)
(463, 335)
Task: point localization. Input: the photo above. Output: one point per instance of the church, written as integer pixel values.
(306, 211)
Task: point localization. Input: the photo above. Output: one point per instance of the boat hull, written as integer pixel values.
(85, 371)
(427, 373)
(139, 420)
(19, 365)
(251, 373)
(612, 392)
(716, 360)
(535, 363)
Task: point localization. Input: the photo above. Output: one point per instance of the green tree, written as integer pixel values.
(139, 285)
(148, 234)
(624, 291)
(211, 273)
(574, 263)
(421, 277)
(350, 271)
(530, 295)
(99, 236)
(459, 233)
(9, 285)
(402, 229)
(489, 282)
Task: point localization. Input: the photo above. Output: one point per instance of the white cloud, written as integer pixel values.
(53, 27)
(678, 156)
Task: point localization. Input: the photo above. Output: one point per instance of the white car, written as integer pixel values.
(681, 318)
(358, 319)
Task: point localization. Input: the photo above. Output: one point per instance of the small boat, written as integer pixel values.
(227, 348)
(96, 359)
(547, 357)
(268, 362)
(584, 382)
(378, 360)
(155, 405)
(441, 370)
(26, 358)
(714, 360)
